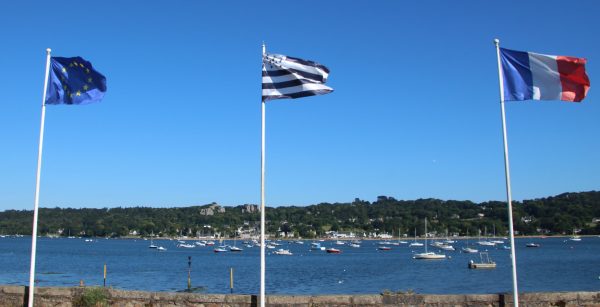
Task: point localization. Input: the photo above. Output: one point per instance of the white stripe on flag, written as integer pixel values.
(295, 89)
(546, 80)
(269, 79)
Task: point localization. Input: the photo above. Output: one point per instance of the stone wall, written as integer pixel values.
(65, 297)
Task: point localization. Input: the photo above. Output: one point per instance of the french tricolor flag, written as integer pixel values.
(529, 75)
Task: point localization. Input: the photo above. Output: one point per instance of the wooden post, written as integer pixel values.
(189, 284)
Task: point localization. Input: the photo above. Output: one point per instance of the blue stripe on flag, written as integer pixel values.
(516, 72)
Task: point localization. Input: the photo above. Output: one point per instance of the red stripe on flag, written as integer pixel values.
(575, 83)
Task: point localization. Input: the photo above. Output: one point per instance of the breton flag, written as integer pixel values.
(529, 75)
(74, 81)
(288, 77)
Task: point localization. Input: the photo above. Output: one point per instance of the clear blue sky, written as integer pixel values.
(415, 112)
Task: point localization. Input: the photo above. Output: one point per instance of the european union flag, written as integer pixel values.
(74, 81)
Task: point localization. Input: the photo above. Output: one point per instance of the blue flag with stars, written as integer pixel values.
(74, 81)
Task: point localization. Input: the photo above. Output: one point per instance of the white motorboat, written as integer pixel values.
(469, 250)
(486, 243)
(446, 247)
(281, 251)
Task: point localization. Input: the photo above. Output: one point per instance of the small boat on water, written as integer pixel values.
(484, 262)
(316, 246)
(333, 251)
(152, 244)
(469, 250)
(185, 245)
(384, 248)
(415, 243)
(355, 245)
(485, 242)
(532, 245)
(281, 251)
(219, 250)
(443, 246)
(428, 255)
(235, 249)
(160, 248)
(575, 237)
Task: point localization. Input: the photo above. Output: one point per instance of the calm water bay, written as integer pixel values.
(558, 265)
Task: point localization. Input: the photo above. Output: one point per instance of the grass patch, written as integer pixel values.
(398, 292)
(92, 297)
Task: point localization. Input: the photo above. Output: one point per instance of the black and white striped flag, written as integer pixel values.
(288, 77)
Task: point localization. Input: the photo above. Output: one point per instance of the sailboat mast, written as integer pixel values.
(425, 235)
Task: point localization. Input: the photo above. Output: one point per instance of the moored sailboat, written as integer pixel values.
(428, 255)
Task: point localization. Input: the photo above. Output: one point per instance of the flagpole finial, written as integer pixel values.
(48, 50)
(496, 41)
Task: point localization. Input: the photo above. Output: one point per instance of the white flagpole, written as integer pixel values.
(507, 172)
(37, 186)
(262, 203)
